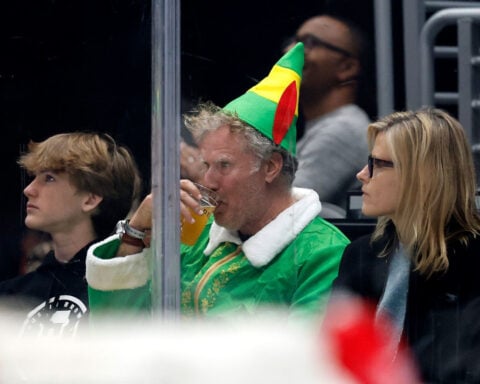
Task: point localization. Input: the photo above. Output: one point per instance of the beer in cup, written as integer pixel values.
(191, 231)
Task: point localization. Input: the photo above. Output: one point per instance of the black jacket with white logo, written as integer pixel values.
(53, 298)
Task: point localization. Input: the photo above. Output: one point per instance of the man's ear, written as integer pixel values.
(273, 167)
(91, 202)
(349, 69)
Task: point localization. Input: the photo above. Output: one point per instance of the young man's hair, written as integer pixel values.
(95, 163)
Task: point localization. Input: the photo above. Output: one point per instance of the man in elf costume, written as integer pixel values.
(265, 246)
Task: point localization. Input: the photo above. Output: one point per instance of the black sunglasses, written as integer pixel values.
(311, 41)
(374, 162)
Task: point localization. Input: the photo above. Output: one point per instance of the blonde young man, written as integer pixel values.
(82, 184)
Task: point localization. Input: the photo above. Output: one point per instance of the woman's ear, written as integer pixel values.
(273, 167)
(91, 202)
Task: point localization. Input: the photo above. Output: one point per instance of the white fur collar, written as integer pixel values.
(262, 247)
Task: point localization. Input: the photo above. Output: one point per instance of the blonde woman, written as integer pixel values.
(421, 266)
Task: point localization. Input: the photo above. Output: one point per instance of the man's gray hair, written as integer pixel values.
(208, 117)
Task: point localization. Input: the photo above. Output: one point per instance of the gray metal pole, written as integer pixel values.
(413, 18)
(383, 43)
(165, 156)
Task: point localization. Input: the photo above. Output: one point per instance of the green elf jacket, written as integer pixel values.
(289, 264)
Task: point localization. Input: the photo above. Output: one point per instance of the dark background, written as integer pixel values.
(69, 65)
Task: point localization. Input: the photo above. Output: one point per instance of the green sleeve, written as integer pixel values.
(316, 277)
(321, 260)
(117, 285)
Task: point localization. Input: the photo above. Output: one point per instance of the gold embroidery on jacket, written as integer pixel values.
(218, 282)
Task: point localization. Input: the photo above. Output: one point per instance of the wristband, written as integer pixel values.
(133, 232)
(130, 235)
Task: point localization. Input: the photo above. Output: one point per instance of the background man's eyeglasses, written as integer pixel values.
(311, 41)
(374, 162)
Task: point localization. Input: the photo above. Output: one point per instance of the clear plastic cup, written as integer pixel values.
(191, 231)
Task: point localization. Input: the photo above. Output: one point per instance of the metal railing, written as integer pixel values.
(467, 52)
(420, 53)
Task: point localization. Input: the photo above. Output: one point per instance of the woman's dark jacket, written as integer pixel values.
(442, 321)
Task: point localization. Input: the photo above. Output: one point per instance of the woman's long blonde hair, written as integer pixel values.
(437, 184)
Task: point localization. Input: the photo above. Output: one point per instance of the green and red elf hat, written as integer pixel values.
(271, 106)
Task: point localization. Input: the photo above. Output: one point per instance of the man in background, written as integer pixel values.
(333, 147)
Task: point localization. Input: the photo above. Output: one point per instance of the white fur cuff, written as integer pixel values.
(127, 272)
